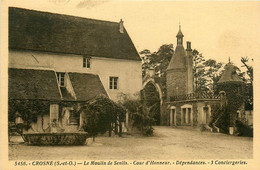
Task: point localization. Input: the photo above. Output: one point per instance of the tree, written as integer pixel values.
(212, 73)
(206, 73)
(198, 71)
(249, 71)
(140, 114)
(146, 59)
(101, 113)
(249, 99)
(162, 58)
(28, 111)
(158, 60)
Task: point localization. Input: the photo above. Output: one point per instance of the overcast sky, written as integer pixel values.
(217, 29)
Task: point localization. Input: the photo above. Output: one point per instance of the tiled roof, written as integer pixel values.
(178, 59)
(229, 74)
(66, 95)
(42, 84)
(48, 32)
(86, 86)
(32, 84)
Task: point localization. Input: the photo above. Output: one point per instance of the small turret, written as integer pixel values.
(179, 37)
(231, 90)
(230, 74)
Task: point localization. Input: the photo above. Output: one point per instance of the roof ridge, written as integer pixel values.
(59, 33)
(67, 15)
(84, 73)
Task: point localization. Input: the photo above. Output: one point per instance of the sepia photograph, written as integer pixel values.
(129, 84)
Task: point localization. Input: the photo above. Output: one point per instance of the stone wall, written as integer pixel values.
(129, 72)
(176, 82)
(198, 116)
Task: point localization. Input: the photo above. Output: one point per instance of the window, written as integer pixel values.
(86, 62)
(189, 115)
(206, 114)
(113, 82)
(61, 79)
(73, 119)
(186, 115)
(173, 116)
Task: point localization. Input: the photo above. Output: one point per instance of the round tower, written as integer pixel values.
(231, 88)
(179, 74)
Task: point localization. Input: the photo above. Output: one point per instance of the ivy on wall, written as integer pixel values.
(28, 110)
(101, 113)
(225, 116)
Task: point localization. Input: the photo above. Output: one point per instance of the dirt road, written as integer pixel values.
(167, 143)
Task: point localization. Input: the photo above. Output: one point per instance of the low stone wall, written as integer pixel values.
(78, 138)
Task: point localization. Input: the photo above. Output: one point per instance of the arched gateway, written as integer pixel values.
(152, 95)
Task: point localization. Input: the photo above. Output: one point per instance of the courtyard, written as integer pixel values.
(166, 144)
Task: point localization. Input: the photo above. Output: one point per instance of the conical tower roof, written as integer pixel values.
(230, 74)
(178, 59)
(180, 34)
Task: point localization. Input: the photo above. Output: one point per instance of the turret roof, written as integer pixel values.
(178, 59)
(180, 34)
(229, 74)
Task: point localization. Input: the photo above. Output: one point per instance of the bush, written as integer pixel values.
(28, 110)
(148, 131)
(141, 117)
(244, 130)
(101, 113)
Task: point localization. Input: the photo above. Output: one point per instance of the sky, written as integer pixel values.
(218, 30)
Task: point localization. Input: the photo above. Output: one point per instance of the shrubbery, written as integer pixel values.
(140, 115)
(244, 130)
(226, 116)
(101, 113)
(28, 110)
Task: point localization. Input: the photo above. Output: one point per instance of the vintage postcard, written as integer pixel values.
(119, 84)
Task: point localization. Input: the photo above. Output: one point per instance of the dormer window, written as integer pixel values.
(86, 62)
(61, 79)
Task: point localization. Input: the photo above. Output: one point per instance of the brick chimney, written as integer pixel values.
(121, 26)
(188, 46)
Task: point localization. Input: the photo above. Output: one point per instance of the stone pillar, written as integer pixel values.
(171, 113)
(126, 119)
(191, 116)
(54, 112)
(80, 119)
(186, 115)
(231, 130)
(182, 121)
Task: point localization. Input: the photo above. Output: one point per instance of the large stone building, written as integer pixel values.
(59, 58)
(182, 106)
